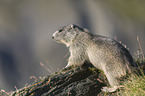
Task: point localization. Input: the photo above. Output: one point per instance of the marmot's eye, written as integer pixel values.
(60, 30)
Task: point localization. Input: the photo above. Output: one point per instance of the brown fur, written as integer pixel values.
(104, 53)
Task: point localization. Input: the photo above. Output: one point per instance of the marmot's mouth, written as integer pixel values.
(58, 41)
(55, 39)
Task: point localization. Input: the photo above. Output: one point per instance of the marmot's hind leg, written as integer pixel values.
(114, 83)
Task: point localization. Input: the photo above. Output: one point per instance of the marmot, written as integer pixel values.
(104, 53)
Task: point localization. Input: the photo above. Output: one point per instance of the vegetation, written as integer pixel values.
(135, 86)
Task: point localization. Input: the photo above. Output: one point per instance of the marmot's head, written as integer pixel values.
(67, 34)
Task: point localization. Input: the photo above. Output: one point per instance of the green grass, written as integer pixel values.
(135, 86)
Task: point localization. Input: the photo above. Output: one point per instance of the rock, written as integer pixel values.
(71, 81)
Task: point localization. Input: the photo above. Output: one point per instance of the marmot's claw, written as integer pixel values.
(112, 89)
(66, 66)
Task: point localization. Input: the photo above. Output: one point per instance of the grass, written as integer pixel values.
(135, 86)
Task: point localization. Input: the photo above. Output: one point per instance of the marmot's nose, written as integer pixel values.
(52, 37)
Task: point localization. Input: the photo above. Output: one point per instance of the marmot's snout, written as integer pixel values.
(52, 37)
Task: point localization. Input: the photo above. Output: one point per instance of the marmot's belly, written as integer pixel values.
(96, 60)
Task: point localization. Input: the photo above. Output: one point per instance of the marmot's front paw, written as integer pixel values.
(112, 89)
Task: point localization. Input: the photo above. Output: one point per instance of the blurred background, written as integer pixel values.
(26, 26)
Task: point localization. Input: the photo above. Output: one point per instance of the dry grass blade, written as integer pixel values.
(140, 47)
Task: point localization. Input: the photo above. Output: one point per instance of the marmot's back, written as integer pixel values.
(113, 46)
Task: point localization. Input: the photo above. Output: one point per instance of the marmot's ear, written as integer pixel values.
(86, 30)
(72, 26)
